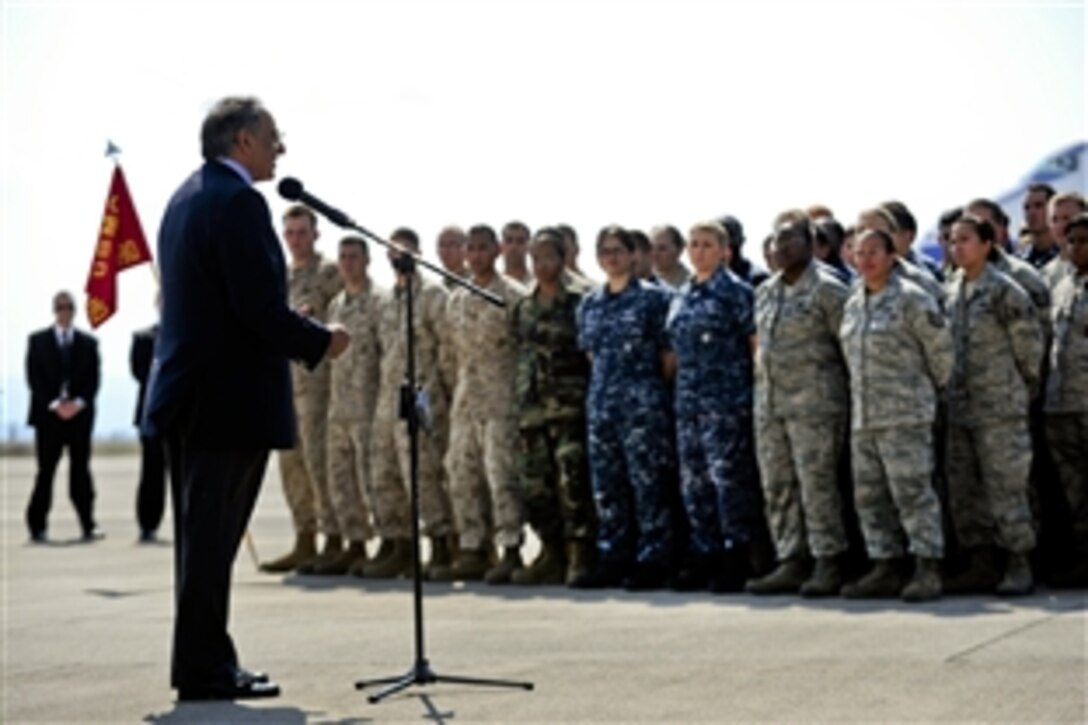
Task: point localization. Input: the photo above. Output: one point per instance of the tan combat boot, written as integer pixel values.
(468, 565)
(883, 582)
(581, 556)
(441, 556)
(305, 549)
(826, 579)
(354, 555)
(980, 576)
(925, 586)
(334, 547)
(510, 563)
(549, 567)
(397, 564)
(786, 578)
(1018, 580)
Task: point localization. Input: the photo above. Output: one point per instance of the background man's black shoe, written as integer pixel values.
(251, 676)
(95, 534)
(39, 537)
(240, 690)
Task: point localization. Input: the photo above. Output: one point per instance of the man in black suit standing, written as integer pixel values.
(151, 492)
(62, 369)
(220, 389)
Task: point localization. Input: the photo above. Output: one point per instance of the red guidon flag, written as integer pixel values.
(121, 244)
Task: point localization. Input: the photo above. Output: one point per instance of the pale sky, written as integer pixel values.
(422, 114)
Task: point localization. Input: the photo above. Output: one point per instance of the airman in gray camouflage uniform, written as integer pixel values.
(802, 405)
(354, 394)
(390, 462)
(483, 419)
(1066, 403)
(999, 349)
(899, 355)
(312, 283)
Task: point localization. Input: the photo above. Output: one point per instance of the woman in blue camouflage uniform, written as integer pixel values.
(712, 330)
(622, 328)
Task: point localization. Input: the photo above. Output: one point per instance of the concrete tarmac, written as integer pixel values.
(86, 638)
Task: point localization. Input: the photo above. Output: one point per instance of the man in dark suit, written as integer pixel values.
(220, 391)
(151, 492)
(62, 369)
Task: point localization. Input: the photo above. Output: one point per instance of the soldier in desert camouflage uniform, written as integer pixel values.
(390, 443)
(1066, 403)
(483, 419)
(999, 349)
(802, 406)
(353, 396)
(552, 375)
(899, 355)
(312, 283)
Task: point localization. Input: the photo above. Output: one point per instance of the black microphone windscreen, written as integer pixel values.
(290, 188)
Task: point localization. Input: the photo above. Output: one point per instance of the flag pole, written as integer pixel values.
(113, 151)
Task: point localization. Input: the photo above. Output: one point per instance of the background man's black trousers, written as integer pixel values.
(151, 493)
(213, 492)
(51, 437)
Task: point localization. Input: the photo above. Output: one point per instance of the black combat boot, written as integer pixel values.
(305, 550)
(980, 576)
(397, 564)
(731, 571)
(603, 575)
(1018, 580)
(694, 575)
(504, 570)
(786, 578)
(1074, 576)
(826, 579)
(334, 547)
(925, 585)
(549, 567)
(647, 576)
(884, 581)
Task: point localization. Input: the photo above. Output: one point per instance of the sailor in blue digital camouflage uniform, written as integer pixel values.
(712, 328)
(621, 327)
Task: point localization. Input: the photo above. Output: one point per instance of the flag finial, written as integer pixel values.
(112, 150)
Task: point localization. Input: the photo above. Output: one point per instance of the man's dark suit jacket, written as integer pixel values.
(45, 372)
(226, 332)
(140, 357)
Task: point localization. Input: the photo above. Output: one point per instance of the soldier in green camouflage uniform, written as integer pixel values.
(552, 375)
(312, 283)
(899, 354)
(801, 410)
(483, 419)
(1066, 403)
(390, 451)
(1061, 209)
(999, 350)
(354, 394)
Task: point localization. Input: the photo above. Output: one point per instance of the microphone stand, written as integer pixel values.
(420, 673)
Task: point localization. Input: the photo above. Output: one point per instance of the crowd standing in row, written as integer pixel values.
(713, 427)
(660, 429)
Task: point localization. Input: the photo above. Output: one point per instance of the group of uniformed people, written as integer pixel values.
(675, 428)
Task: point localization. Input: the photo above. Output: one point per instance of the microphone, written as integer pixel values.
(291, 189)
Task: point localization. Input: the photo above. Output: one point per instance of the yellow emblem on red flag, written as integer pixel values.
(121, 244)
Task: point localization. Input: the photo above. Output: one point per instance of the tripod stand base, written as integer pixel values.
(422, 674)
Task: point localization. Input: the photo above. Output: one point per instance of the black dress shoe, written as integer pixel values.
(38, 537)
(148, 537)
(94, 534)
(239, 690)
(251, 676)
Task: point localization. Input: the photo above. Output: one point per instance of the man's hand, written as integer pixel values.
(339, 342)
(305, 310)
(68, 409)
